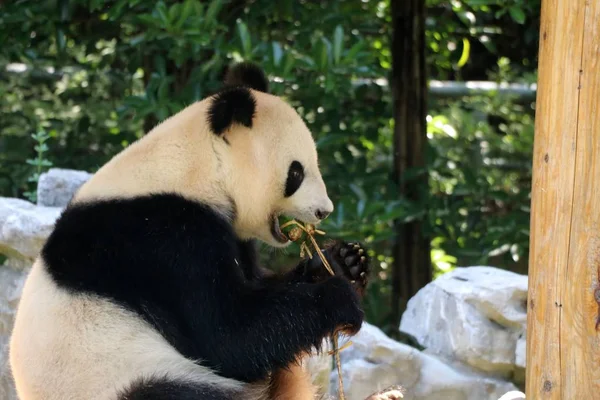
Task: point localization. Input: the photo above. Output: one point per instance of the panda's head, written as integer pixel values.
(268, 157)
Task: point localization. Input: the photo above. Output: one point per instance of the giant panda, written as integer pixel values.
(149, 288)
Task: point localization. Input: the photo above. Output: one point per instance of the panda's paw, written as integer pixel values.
(351, 261)
(347, 259)
(340, 305)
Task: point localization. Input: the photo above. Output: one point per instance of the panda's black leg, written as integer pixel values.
(156, 388)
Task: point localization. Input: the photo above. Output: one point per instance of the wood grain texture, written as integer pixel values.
(563, 344)
(412, 259)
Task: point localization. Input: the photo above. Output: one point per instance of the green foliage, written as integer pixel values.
(97, 74)
(480, 181)
(40, 163)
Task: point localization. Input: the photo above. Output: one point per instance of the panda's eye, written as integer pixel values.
(294, 178)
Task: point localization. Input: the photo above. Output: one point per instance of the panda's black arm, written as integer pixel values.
(308, 270)
(177, 264)
(346, 259)
(266, 326)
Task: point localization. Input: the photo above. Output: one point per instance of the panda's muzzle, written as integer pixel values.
(276, 230)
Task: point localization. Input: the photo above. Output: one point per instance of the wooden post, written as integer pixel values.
(563, 329)
(412, 260)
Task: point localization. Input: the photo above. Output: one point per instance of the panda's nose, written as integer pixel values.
(322, 214)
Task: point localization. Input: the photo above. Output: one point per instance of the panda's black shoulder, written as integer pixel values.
(170, 260)
(98, 245)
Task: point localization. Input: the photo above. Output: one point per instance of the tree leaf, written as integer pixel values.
(277, 53)
(186, 11)
(288, 64)
(351, 54)
(517, 14)
(481, 2)
(338, 42)
(213, 11)
(61, 40)
(323, 52)
(244, 36)
(465, 53)
(161, 10)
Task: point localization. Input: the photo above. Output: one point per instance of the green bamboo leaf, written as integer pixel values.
(135, 40)
(340, 214)
(288, 64)
(351, 54)
(161, 10)
(61, 40)
(277, 53)
(163, 91)
(245, 39)
(198, 8)
(323, 53)
(465, 53)
(213, 11)
(481, 2)
(338, 41)
(186, 11)
(160, 65)
(360, 208)
(174, 12)
(358, 191)
(517, 14)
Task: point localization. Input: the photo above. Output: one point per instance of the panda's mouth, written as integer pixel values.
(276, 230)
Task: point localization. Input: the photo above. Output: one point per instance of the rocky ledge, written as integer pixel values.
(471, 321)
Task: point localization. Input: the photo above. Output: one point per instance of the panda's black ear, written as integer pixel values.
(229, 106)
(247, 74)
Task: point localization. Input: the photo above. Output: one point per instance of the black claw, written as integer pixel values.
(354, 270)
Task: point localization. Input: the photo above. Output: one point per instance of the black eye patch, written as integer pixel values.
(294, 178)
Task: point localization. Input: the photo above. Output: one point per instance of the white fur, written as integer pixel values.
(181, 155)
(81, 347)
(78, 347)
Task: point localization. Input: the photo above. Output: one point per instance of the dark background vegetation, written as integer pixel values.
(90, 77)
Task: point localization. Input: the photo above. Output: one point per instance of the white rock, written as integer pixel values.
(319, 367)
(374, 362)
(514, 395)
(57, 186)
(24, 227)
(11, 284)
(476, 315)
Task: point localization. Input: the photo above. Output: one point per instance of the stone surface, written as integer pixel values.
(374, 362)
(472, 320)
(57, 186)
(319, 367)
(513, 395)
(11, 284)
(476, 315)
(24, 227)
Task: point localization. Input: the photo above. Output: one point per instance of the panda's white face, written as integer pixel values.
(240, 148)
(275, 172)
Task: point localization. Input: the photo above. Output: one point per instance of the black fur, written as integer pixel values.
(229, 106)
(167, 389)
(247, 74)
(346, 259)
(180, 266)
(294, 178)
